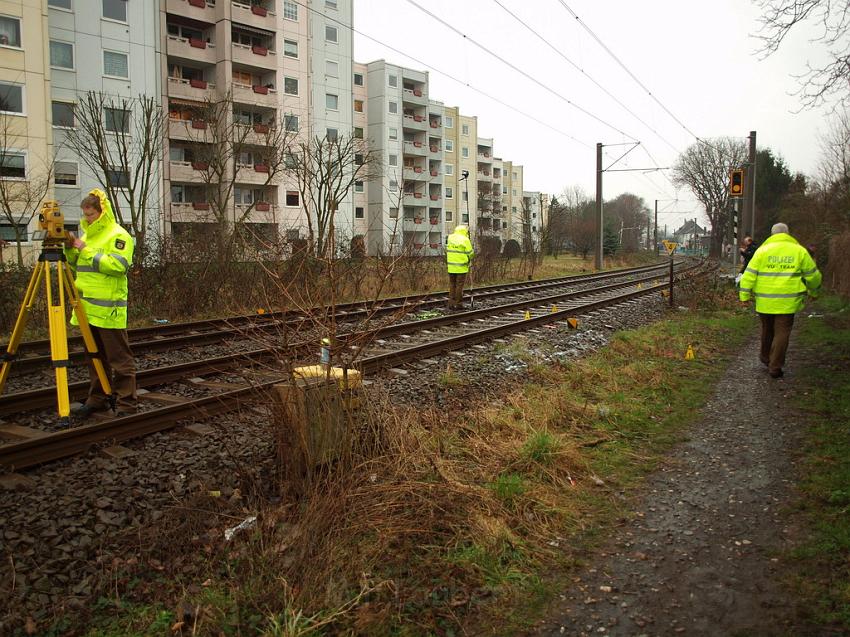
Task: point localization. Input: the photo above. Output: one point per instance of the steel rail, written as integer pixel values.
(44, 397)
(54, 446)
(161, 337)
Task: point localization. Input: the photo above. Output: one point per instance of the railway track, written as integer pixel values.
(34, 355)
(372, 350)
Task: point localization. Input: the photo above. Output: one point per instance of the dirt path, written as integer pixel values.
(702, 554)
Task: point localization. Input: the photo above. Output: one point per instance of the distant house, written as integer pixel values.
(692, 236)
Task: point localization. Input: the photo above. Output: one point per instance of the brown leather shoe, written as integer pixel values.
(776, 373)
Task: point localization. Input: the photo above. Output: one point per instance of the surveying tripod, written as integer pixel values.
(52, 253)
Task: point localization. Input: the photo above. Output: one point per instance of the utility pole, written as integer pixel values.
(752, 183)
(656, 227)
(600, 233)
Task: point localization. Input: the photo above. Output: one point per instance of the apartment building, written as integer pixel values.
(105, 46)
(512, 181)
(24, 100)
(360, 123)
(405, 210)
(535, 208)
(280, 64)
(467, 160)
(451, 169)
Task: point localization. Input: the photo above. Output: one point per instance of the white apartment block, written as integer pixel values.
(405, 205)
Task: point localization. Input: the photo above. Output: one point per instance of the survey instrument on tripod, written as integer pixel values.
(53, 270)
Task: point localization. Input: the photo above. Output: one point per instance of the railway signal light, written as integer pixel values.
(736, 182)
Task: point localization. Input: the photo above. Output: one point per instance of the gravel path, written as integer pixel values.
(702, 553)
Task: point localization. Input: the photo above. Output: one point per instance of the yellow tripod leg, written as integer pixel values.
(85, 328)
(58, 341)
(21, 322)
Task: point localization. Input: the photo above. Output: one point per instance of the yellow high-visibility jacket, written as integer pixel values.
(779, 276)
(101, 268)
(459, 251)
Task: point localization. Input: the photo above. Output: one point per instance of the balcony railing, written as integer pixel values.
(188, 88)
(257, 10)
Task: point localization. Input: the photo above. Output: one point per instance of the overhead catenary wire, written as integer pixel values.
(585, 73)
(515, 68)
(630, 73)
(444, 74)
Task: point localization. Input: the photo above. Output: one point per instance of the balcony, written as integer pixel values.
(256, 135)
(415, 199)
(257, 94)
(198, 90)
(190, 49)
(192, 130)
(485, 157)
(254, 15)
(415, 148)
(435, 149)
(191, 172)
(417, 223)
(485, 177)
(414, 174)
(435, 196)
(415, 122)
(414, 96)
(263, 211)
(252, 174)
(435, 128)
(202, 10)
(189, 210)
(254, 56)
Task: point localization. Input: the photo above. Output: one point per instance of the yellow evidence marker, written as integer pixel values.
(689, 355)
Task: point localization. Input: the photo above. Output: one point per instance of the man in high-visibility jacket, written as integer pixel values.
(779, 276)
(459, 255)
(101, 259)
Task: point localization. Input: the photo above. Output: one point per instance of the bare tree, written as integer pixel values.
(25, 181)
(820, 83)
(629, 215)
(326, 169)
(704, 168)
(224, 149)
(120, 140)
(835, 153)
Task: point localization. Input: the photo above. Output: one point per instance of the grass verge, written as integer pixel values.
(443, 523)
(822, 562)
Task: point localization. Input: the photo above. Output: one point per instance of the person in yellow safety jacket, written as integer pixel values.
(780, 275)
(101, 259)
(459, 255)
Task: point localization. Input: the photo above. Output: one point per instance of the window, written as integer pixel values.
(358, 212)
(392, 80)
(7, 231)
(465, 129)
(330, 4)
(465, 151)
(393, 107)
(358, 186)
(61, 55)
(11, 98)
(448, 121)
(292, 198)
(514, 176)
(450, 169)
(118, 178)
(513, 209)
(393, 185)
(358, 132)
(449, 193)
(332, 134)
(358, 79)
(10, 31)
(449, 215)
(117, 120)
(358, 159)
(290, 85)
(65, 173)
(504, 190)
(358, 106)
(290, 48)
(393, 213)
(465, 196)
(393, 133)
(290, 122)
(332, 101)
(393, 160)
(534, 215)
(331, 34)
(115, 10)
(465, 217)
(13, 164)
(331, 68)
(290, 160)
(63, 114)
(60, 4)
(450, 146)
(115, 64)
(290, 10)
(514, 192)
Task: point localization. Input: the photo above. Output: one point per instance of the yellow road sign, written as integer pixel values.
(670, 245)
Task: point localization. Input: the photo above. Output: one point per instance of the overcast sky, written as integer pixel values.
(696, 56)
